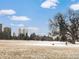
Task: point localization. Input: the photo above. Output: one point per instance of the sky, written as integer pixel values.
(33, 14)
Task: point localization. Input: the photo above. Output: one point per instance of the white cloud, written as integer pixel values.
(49, 4)
(33, 28)
(18, 25)
(75, 6)
(12, 24)
(21, 25)
(7, 12)
(19, 18)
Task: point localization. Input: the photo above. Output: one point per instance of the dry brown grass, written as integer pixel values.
(8, 51)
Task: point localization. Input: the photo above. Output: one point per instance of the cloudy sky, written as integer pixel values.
(33, 14)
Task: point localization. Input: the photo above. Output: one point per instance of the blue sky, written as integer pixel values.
(33, 14)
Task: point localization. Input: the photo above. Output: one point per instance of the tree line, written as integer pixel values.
(33, 36)
(22, 36)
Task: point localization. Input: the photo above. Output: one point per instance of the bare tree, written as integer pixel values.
(72, 26)
(59, 23)
(67, 26)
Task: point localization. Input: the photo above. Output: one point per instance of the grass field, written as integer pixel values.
(16, 50)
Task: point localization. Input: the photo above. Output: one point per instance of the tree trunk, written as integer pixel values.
(73, 40)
